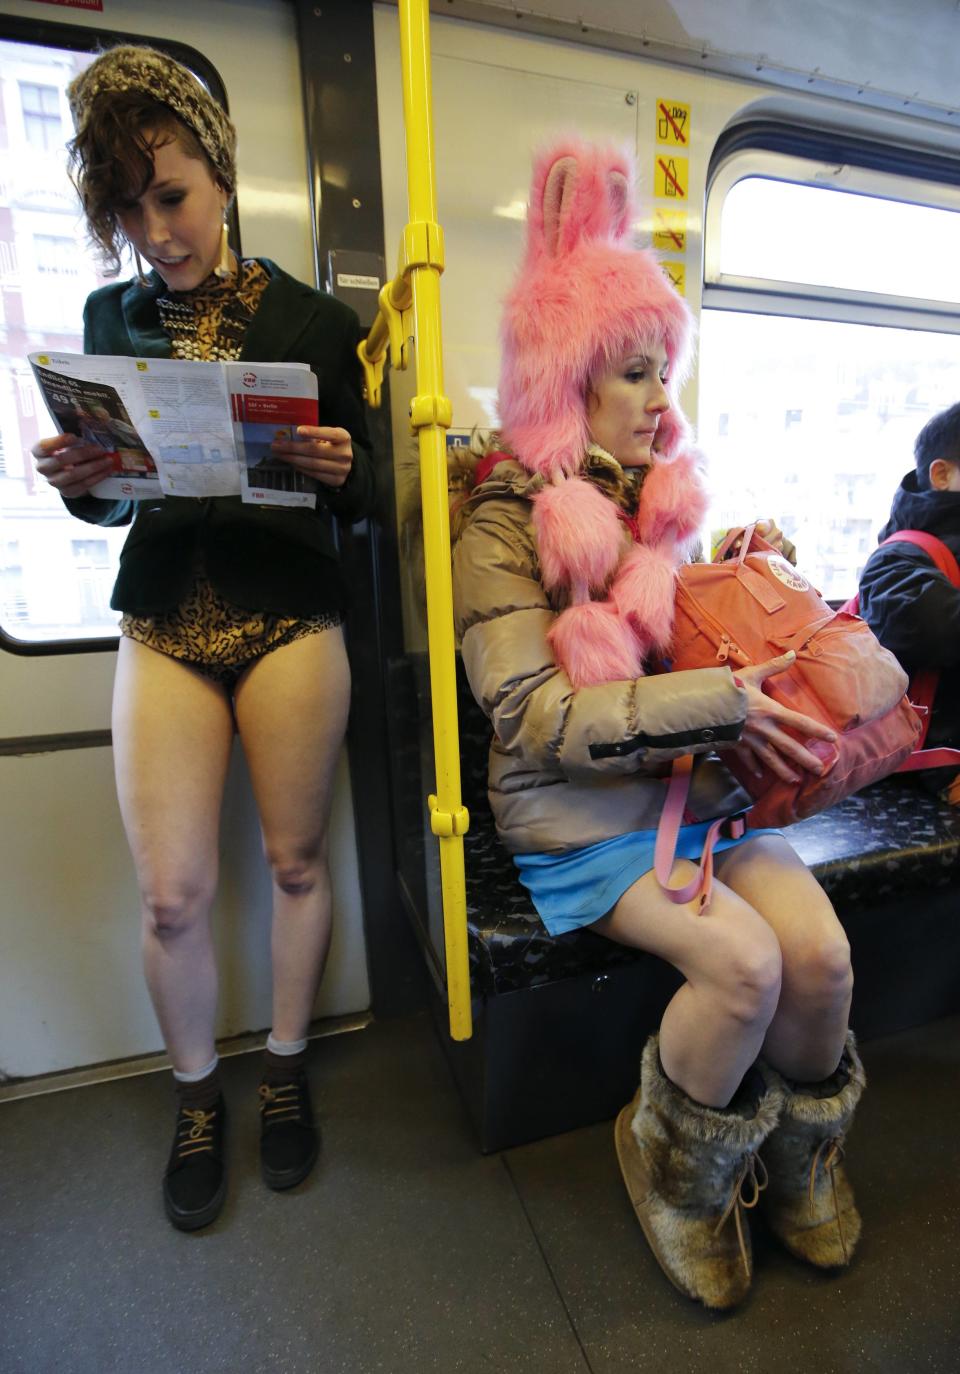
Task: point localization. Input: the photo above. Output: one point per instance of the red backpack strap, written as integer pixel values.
(935, 549)
(923, 685)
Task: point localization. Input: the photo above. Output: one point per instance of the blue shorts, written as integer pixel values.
(578, 887)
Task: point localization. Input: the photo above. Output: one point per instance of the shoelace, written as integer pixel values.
(829, 1154)
(281, 1102)
(195, 1131)
(740, 1201)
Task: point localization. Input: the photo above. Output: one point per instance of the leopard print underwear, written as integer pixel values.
(218, 639)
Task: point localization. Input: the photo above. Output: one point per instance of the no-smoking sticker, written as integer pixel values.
(670, 229)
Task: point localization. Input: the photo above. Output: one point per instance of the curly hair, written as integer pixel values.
(111, 161)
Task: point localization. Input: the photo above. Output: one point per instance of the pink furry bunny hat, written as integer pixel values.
(584, 297)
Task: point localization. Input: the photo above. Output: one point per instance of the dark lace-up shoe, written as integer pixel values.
(195, 1182)
(289, 1141)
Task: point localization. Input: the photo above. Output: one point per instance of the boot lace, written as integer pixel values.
(195, 1131)
(828, 1156)
(745, 1194)
(281, 1102)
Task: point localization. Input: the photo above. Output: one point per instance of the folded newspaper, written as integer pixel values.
(184, 428)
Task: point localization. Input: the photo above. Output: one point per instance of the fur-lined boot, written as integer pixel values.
(809, 1204)
(691, 1171)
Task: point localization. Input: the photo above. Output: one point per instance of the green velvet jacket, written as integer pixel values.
(266, 558)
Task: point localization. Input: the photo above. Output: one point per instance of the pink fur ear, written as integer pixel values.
(673, 502)
(618, 194)
(558, 191)
(644, 592)
(579, 534)
(594, 645)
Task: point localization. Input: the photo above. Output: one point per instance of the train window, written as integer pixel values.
(829, 335)
(49, 590)
(56, 573)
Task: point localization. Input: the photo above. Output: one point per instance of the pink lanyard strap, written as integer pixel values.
(701, 884)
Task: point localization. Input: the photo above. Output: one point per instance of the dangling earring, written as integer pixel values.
(142, 279)
(224, 267)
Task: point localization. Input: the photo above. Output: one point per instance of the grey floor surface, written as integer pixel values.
(408, 1252)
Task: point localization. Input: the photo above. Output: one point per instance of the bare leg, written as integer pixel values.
(292, 708)
(715, 1025)
(805, 1039)
(171, 742)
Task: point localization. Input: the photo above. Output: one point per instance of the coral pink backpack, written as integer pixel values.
(752, 608)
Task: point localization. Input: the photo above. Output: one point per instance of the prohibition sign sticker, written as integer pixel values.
(673, 123)
(670, 181)
(677, 274)
(670, 229)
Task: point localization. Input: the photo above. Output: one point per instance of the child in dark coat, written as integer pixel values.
(910, 605)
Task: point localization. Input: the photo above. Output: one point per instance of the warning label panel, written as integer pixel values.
(673, 123)
(670, 179)
(677, 272)
(670, 229)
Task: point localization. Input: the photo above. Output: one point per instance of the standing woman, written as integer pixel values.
(564, 592)
(231, 613)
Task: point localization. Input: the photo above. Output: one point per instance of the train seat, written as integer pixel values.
(560, 1022)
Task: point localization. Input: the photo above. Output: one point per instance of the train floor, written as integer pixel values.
(408, 1252)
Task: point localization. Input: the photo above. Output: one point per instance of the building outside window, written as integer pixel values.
(49, 590)
(825, 346)
(42, 122)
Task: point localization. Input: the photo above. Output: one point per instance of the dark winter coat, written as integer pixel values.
(274, 559)
(909, 604)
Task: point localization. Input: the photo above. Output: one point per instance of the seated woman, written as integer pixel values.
(563, 585)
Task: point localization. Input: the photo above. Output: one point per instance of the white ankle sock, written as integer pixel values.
(196, 1074)
(286, 1046)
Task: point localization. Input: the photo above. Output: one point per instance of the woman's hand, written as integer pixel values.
(768, 530)
(764, 739)
(71, 466)
(323, 452)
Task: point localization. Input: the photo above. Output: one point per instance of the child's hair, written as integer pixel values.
(939, 438)
(111, 161)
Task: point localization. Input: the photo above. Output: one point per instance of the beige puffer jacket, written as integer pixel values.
(571, 768)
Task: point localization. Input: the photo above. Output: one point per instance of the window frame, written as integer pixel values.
(769, 149)
(47, 33)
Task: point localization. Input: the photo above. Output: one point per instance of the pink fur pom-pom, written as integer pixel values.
(644, 592)
(673, 502)
(673, 432)
(593, 644)
(579, 534)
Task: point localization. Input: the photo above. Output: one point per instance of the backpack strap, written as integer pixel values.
(700, 885)
(923, 685)
(935, 549)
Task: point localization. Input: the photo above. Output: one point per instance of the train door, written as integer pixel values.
(71, 994)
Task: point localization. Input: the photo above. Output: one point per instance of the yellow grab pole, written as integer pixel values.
(430, 415)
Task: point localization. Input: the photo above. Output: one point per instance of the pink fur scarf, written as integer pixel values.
(621, 592)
